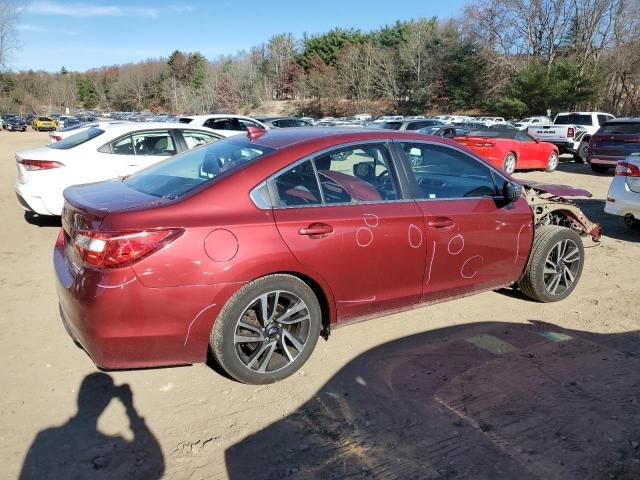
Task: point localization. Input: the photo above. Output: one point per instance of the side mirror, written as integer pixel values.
(511, 192)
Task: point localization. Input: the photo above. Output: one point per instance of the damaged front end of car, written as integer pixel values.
(551, 206)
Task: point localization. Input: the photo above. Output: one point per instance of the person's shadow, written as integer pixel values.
(77, 450)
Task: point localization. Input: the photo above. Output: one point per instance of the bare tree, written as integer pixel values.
(8, 39)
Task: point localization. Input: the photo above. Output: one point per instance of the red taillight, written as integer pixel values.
(625, 169)
(56, 138)
(485, 144)
(571, 132)
(40, 164)
(117, 249)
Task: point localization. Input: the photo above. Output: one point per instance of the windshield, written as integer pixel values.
(573, 119)
(182, 173)
(76, 139)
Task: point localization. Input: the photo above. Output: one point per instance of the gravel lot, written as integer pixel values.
(492, 386)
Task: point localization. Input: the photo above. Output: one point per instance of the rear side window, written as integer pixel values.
(185, 120)
(182, 173)
(298, 186)
(574, 119)
(392, 125)
(442, 172)
(77, 139)
(195, 138)
(155, 143)
(619, 128)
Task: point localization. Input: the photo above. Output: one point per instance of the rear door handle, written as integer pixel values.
(441, 222)
(316, 229)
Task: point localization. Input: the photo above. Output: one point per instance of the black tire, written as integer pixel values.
(238, 357)
(583, 151)
(552, 162)
(537, 282)
(509, 163)
(599, 168)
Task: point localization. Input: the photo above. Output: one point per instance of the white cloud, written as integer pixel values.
(87, 10)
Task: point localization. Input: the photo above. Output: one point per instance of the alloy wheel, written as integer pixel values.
(510, 163)
(272, 331)
(561, 267)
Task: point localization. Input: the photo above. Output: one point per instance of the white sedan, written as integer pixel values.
(623, 198)
(225, 125)
(98, 154)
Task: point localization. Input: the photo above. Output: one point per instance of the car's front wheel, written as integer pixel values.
(555, 264)
(267, 330)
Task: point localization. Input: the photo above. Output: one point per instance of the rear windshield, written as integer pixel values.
(573, 119)
(182, 173)
(44, 119)
(77, 139)
(619, 128)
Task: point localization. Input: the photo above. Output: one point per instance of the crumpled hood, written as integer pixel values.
(557, 190)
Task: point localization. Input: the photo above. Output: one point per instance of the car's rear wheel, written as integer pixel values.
(555, 264)
(267, 330)
(509, 164)
(599, 168)
(552, 162)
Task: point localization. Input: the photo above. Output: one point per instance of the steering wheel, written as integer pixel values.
(384, 185)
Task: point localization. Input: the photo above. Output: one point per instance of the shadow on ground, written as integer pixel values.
(482, 401)
(570, 166)
(77, 450)
(612, 226)
(42, 220)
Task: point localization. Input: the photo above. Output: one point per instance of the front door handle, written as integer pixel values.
(441, 222)
(316, 229)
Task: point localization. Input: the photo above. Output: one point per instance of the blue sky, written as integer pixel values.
(82, 35)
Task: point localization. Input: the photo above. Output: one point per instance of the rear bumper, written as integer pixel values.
(122, 324)
(621, 200)
(564, 146)
(605, 160)
(32, 202)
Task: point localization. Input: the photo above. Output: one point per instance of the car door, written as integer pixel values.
(474, 239)
(341, 214)
(136, 150)
(531, 153)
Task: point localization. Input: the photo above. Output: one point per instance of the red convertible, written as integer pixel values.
(512, 149)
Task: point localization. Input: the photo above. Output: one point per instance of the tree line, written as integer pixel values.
(501, 57)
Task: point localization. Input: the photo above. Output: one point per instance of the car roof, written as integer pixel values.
(286, 137)
(133, 126)
(216, 115)
(624, 120)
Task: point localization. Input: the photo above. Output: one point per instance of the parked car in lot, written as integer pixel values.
(511, 149)
(614, 141)
(98, 154)
(446, 131)
(406, 124)
(225, 125)
(43, 124)
(571, 131)
(15, 123)
(532, 122)
(490, 121)
(256, 245)
(284, 122)
(623, 198)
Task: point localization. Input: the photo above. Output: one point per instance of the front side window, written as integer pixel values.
(245, 124)
(76, 139)
(182, 173)
(442, 172)
(156, 143)
(523, 137)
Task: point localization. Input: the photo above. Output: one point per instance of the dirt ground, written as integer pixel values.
(491, 386)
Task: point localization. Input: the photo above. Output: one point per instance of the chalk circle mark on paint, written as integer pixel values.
(415, 236)
(456, 244)
(371, 220)
(364, 237)
(471, 265)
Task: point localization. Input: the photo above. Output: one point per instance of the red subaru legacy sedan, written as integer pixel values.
(256, 245)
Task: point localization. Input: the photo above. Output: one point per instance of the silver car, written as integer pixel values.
(623, 198)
